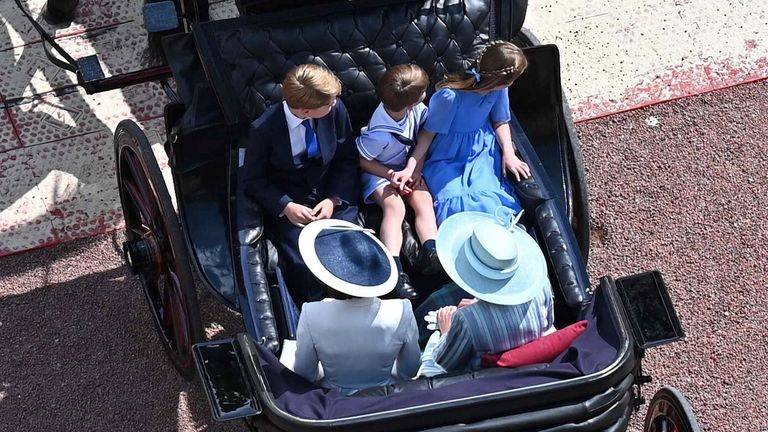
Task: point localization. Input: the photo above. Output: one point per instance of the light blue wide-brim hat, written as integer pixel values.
(491, 257)
(347, 258)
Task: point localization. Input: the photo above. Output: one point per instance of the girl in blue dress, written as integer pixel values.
(467, 139)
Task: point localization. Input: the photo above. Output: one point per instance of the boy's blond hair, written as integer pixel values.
(402, 86)
(310, 86)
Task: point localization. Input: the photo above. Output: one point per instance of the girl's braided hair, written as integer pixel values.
(498, 63)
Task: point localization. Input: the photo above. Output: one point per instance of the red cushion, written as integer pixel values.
(542, 350)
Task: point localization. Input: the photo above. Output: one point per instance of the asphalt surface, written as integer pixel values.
(678, 187)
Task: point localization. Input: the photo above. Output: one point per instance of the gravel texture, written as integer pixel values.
(79, 350)
(678, 187)
(681, 187)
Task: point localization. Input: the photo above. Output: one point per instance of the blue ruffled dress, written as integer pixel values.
(463, 167)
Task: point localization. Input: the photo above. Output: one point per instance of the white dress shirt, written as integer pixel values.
(297, 133)
(360, 342)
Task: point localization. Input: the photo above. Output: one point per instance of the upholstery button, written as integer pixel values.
(427, 39)
(360, 68)
(399, 43)
(439, 59)
(453, 36)
(350, 92)
(477, 32)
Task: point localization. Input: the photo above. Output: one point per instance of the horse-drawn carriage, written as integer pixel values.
(226, 74)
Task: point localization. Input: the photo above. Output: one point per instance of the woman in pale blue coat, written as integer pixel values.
(353, 340)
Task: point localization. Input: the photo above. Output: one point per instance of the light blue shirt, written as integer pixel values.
(360, 343)
(377, 140)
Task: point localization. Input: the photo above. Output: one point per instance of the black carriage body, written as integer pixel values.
(228, 72)
(600, 401)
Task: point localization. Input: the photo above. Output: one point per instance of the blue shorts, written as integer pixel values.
(371, 182)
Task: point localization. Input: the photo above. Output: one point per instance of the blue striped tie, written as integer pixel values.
(313, 149)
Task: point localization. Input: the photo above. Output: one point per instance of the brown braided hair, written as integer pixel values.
(499, 63)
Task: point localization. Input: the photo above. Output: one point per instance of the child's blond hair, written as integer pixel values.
(310, 86)
(402, 86)
(499, 63)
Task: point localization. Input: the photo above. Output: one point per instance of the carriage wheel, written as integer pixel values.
(155, 248)
(670, 411)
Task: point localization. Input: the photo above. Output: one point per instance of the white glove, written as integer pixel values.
(431, 319)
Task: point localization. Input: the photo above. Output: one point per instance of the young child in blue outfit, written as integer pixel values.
(384, 147)
(468, 139)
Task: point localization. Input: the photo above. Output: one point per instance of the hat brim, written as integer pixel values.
(526, 282)
(309, 254)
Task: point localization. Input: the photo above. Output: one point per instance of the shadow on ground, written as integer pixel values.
(82, 354)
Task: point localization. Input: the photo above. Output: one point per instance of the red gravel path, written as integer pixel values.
(689, 197)
(679, 187)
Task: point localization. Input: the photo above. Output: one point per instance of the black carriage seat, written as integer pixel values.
(245, 60)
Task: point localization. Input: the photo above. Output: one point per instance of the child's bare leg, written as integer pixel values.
(423, 207)
(391, 232)
(420, 201)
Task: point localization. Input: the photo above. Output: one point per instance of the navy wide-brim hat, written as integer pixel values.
(347, 258)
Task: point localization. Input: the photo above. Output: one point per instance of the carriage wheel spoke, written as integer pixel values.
(155, 239)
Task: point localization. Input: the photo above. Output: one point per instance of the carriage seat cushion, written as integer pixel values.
(542, 350)
(425, 383)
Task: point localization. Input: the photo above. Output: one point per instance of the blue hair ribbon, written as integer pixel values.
(474, 73)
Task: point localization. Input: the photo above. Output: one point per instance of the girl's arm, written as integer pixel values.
(511, 162)
(416, 159)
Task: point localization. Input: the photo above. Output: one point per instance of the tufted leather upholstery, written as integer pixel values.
(246, 59)
(260, 310)
(568, 269)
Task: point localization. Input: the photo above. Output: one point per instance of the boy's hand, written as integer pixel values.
(517, 167)
(401, 179)
(466, 302)
(323, 209)
(298, 214)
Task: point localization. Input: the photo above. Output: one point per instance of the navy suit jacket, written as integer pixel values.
(271, 179)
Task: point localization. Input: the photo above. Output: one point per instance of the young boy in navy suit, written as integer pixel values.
(301, 165)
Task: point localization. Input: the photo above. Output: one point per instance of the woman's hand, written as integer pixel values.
(444, 317)
(517, 167)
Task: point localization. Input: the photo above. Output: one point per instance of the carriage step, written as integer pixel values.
(224, 380)
(160, 16)
(651, 314)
